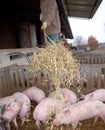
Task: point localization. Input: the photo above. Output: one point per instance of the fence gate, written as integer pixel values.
(13, 78)
(92, 76)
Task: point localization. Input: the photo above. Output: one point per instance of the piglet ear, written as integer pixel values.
(11, 106)
(82, 95)
(8, 108)
(67, 112)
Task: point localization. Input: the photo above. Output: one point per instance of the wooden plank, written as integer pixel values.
(95, 80)
(1, 86)
(7, 77)
(13, 82)
(17, 80)
(88, 80)
(99, 80)
(27, 77)
(4, 82)
(102, 81)
(92, 80)
(21, 76)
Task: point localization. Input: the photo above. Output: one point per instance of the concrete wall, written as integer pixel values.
(16, 56)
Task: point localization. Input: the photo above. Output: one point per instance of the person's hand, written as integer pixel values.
(44, 26)
(41, 17)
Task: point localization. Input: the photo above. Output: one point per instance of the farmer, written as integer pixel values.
(50, 20)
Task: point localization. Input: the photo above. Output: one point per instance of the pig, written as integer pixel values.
(10, 114)
(43, 110)
(6, 100)
(2, 110)
(98, 94)
(66, 94)
(80, 111)
(26, 105)
(34, 94)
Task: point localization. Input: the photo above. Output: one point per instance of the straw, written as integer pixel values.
(57, 65)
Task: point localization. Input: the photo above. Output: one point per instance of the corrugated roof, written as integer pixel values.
(76, 8)
(82, 8)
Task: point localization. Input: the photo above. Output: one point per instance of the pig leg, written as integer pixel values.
(74, 125)
(67, 127)
(103, 117)
(2, 126)
(27, 115)
(23, 120)
(95, 120)
(15, 123)
(7, 125)
(38, 124)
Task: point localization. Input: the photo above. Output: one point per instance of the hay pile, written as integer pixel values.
(57, 64)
